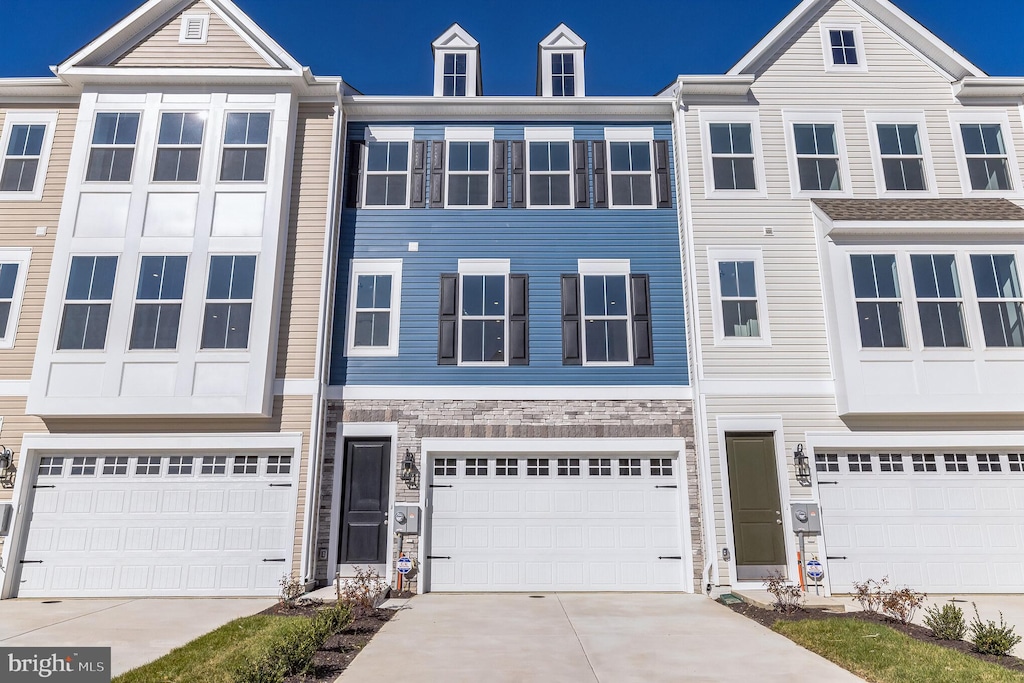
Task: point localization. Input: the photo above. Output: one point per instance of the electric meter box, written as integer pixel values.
(806, 518)
(407, 519)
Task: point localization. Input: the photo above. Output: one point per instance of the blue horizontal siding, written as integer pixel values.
(542, 243)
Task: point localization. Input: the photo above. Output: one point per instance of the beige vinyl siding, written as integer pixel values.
(800, 415)
(18, 223)
(16, 425)
(223, 47)
(307, 220)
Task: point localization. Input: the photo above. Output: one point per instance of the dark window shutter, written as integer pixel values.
(419, 174)
(448, 320)
(354, 175)
(643, 350)
(572, 353)
(437, 174)
(518, 174)
(579, 155)
(661, 176)
(519, 319)
(500, 165)
(600, 176)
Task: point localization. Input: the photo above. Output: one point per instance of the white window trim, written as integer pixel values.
(469, 134)
(392, 267)
(64, 301)
(21, 118)
(630, 134)
(707, 117)
(826, 48)
(501, 267)
(224, 146)
(1001, 117)
(873, 118)
(22, 257)
(606, 267)
(835, 118)
(92, 145)
(549, 135)
(717, 255)
(200, 349)
(183, 38)
(388, 134)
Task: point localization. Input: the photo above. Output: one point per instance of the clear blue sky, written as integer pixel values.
(634, 47)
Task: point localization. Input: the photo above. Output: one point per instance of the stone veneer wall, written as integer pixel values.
(418, 419)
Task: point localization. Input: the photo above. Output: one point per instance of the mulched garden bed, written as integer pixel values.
(767, 618)
(340, 649)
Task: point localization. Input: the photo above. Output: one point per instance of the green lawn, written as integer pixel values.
(880, 654)
(213, 658)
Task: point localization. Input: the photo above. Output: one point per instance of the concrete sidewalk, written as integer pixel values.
(137, 630)
(608, 637)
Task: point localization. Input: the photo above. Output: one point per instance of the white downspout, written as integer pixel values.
(311, 522)
(694, 350)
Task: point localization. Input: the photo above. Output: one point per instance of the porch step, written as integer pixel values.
(764, 600)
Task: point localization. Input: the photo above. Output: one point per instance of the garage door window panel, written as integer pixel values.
(955, 462)
(600, 467)
(155, 325)
(989, 462)
(444, 467)
(661, 467)
(180, 465)
(538, 467)
(476, 467)
(83, 466)
(229, 302)
(879, 305)
(147, 465)
(859, 462)
(115, 465)
(279, 464)
(214, 464)
(890, 462)
(506, 467)
(246, 464)
(629, 467)
(924, 462)
(84, 325)
(1000, 301)
(568, 467)
(826, 462)
(939, 300)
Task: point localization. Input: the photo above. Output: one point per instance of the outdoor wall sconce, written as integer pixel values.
(410, 475)
(802, 465)
(7, 470)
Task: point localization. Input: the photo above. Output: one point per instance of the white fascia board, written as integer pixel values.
(509, 393)
(961, 231)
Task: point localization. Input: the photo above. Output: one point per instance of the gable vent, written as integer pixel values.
(194, 28)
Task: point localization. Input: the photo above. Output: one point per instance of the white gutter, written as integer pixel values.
(311, 521)
(693, 349)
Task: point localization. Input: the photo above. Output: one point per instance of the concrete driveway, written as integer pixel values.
(613, 637)
(137, 630)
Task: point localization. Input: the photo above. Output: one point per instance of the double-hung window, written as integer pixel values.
(563, 74)
(87, 303)
(229, 294)
(113, 147)
(179, 145)
(24, 152)
(606, 317)
(374, 302)
(1000, 302)
(899, 141)
(985, 152)
(732, 156)
(483, 315)
(876, 289)
(939, 300)
(817, 156)
(550, 173)
(469, 173)
(8, 280)
(483, 318)
(246, 136)
(631, 173)
(739, 299)
(387, 173)
(13, 275)
(455, 75)
(158, 302)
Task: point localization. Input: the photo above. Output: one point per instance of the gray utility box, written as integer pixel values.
(806, 519)
(407, 519)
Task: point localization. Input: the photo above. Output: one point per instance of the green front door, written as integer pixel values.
(758, 536)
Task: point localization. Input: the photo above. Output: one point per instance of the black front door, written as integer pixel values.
(364, 502)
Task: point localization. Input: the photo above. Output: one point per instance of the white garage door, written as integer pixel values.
(555, 524)
(158, 524)
(937, 522)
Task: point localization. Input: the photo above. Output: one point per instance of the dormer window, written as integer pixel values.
(455, 75)
(456, 64)
(560, 64)
(563, 75)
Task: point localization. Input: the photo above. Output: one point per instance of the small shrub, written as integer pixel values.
(292, 588)
(946, 623)
(359, 592)
(870, 593)
(293, 654)
(901, 604)
(788, 598)
(990, 639)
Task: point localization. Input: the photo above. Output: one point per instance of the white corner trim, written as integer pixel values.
(509, 393)
(14, 387)
(295, 387)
